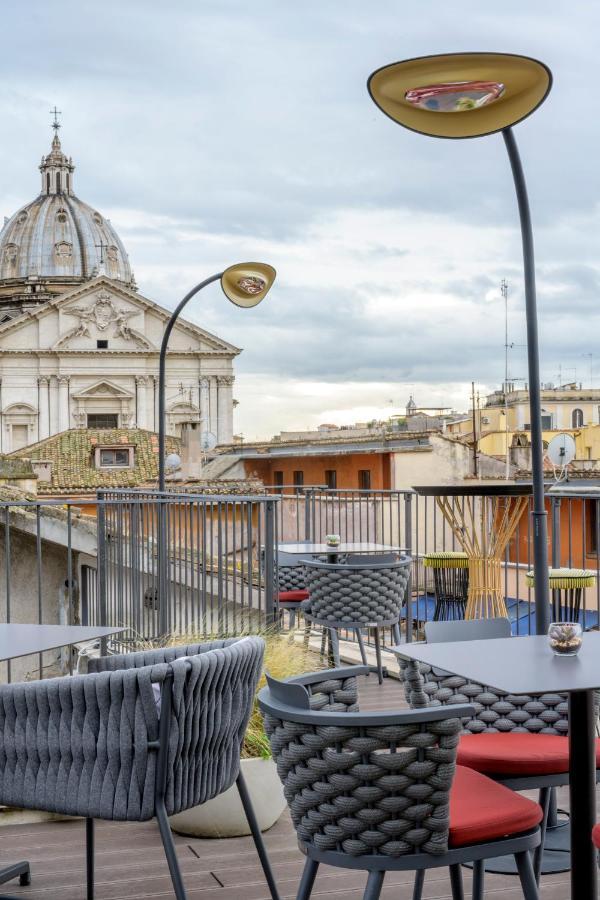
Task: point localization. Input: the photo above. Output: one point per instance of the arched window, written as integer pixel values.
(577, 418)
(68, 183)
(58, 182)
(47, 182)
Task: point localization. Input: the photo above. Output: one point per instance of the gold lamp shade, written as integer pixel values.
(460, 95)
(246, 284)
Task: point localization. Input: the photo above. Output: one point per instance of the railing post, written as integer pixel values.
(307, 517)
(270, 551)
(408, 542)
(102, 566)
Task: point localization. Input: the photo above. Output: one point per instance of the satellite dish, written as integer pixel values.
(173, 461)
(561, 450)
(208, 441)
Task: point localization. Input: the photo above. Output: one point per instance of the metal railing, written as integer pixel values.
(97, 561)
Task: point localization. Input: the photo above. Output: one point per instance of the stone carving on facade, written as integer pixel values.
(102, 314)
(11, 252)
(63, 250)
(226, 380)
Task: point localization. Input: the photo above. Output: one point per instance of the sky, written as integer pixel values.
(213, 132)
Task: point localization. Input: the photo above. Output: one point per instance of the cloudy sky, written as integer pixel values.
(211, 131)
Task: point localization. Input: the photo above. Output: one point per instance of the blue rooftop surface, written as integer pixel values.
(520, 612)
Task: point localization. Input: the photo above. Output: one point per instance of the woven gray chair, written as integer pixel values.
(291, 587)
(142, 735)
(380, 791)
(518, 740)
(354, 597)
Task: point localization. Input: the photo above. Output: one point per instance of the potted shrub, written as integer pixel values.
(223, 816)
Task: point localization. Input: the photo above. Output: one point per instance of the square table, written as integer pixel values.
(23, 640)
(306, 548)
(526, 665)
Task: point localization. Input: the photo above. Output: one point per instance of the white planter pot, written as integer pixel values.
(223, 816)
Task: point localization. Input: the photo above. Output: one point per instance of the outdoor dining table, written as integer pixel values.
(24, 640)
(527, 665)
(333, 552)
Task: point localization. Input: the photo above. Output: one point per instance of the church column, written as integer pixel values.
(44, 407)
(142, 397)
(225, 407)
(212, 424)
(63, 402)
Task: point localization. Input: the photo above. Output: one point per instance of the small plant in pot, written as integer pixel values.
(223, 816)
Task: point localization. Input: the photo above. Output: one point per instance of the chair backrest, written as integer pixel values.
(213, 692)
(425, 685)
(467, 630)
(368, 559)
(371, 593)
(335, 764)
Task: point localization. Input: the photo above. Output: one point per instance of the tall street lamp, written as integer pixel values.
(467, 95)
(245, 285)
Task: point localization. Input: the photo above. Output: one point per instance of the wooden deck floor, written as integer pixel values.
(130, 862)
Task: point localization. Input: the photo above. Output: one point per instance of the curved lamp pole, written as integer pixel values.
(245, 285)
(467, 95)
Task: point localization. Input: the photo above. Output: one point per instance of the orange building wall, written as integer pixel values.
(347, 467)
(577, 535)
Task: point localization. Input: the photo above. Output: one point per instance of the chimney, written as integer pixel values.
(192, 455)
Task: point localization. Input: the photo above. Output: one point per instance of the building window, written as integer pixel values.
(114, 457)
(364, 479)
(278, 481)
(546, 422)
(591, 527)
(102, 344)
(58, 189)
(331, 479)
(577, 418)
(298, 478)
(102, 420)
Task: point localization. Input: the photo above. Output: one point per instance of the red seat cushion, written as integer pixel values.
(292, 596)
(483, 810)
(506, 753)
(596, 836)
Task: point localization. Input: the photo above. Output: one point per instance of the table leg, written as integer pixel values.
(582, 794)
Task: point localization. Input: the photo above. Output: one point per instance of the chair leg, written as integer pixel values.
(539, 851)
(397, 634)
(257, 836)
(374, 885)
(306, 633)
(526, 876)
(361, 644)
(478, 878)
(378, 655)
(456, 883)
(308, 879)
(20, 870)
(335, 646)
(169, 848)
(418, 885)
(89, 857)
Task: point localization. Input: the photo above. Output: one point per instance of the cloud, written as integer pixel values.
(220, 131)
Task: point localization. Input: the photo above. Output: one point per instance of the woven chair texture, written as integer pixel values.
(343, 594)
(79, 746)
(365, 790)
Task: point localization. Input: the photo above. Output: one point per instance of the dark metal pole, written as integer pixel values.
(163, 532)
(161, 376)
(538, 513)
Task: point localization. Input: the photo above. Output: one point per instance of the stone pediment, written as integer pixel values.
(102, 317)
(103, 389)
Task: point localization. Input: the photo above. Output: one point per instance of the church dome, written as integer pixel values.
(58, 239)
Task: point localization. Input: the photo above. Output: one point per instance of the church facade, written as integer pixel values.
(79, 344)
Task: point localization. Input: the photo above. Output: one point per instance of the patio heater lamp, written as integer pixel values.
(245, 285)
(468, 95)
